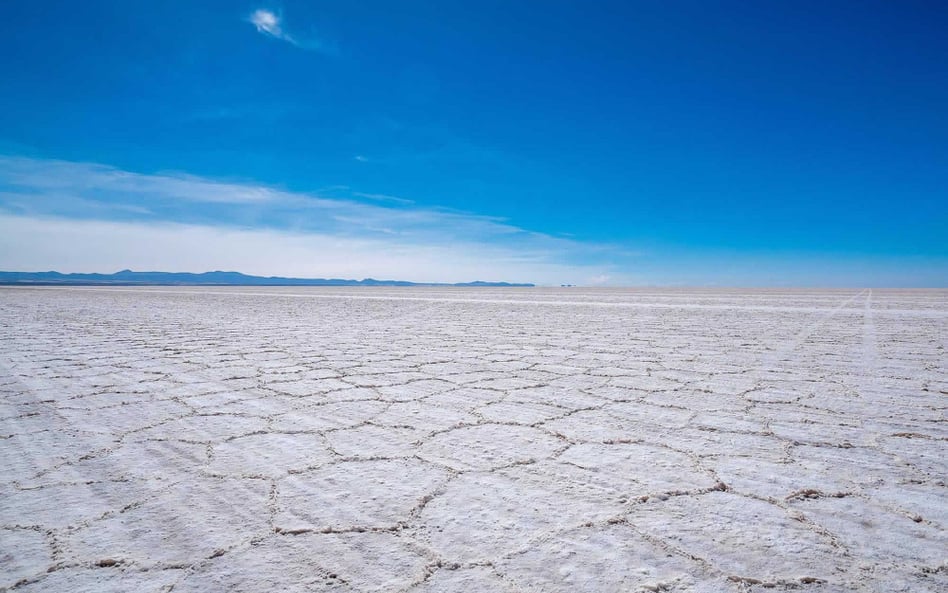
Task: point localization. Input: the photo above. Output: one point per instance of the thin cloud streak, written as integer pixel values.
(43, 176)
(383, 198)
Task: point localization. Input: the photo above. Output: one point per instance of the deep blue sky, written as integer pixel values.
(621, 142)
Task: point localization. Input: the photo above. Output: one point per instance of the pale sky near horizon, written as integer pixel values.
(592, 143)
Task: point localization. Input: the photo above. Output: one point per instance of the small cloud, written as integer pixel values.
(361, 158)
(269, 23)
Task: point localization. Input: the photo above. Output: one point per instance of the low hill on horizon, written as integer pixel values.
(215, 278)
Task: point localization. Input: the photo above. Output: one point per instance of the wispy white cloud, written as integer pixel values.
(270, 23)
(61, 212)
(47, 185)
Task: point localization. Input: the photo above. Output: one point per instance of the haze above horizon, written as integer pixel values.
(607, 143)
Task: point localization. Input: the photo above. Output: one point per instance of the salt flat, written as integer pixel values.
(441, 440)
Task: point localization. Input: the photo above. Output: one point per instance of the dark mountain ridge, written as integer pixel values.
(216, 278)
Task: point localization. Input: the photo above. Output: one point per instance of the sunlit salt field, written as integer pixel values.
(472, 440)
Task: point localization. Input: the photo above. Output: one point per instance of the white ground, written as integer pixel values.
(444, 440)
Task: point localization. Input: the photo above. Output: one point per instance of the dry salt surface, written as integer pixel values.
(472, 440)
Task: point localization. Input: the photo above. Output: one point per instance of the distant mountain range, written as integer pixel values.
(128, 277)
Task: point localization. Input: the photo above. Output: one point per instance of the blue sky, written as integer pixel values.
(622, 143)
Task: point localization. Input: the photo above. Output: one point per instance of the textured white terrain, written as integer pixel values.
(472, 440)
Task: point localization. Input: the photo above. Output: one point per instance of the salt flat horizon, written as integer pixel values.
(443, 439)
